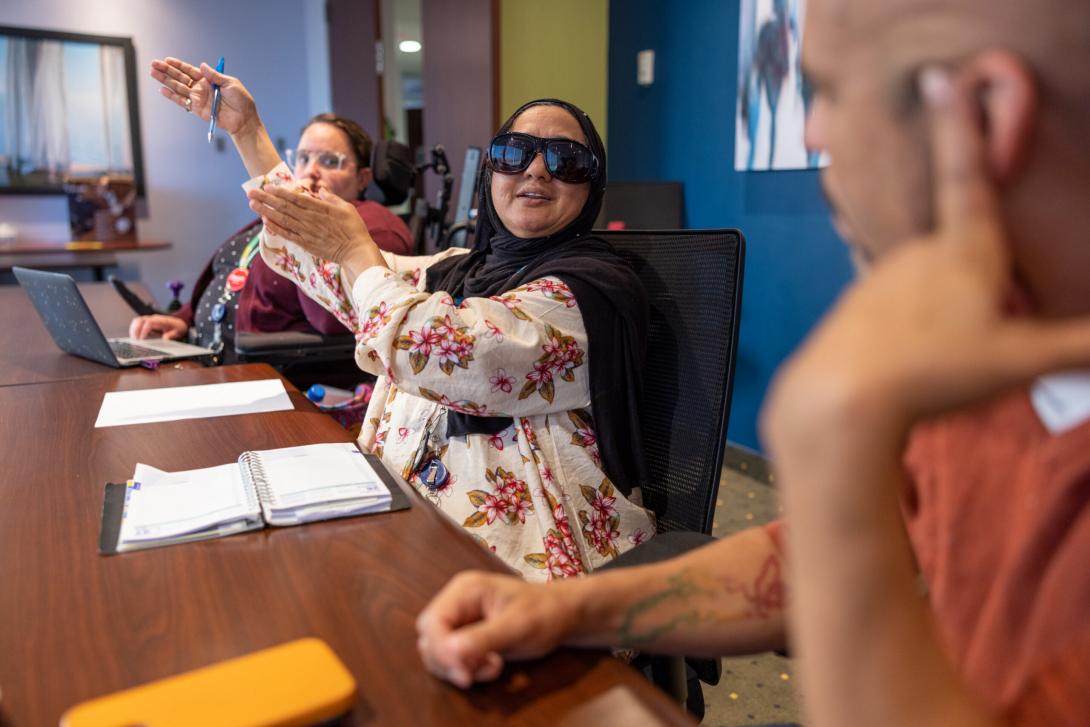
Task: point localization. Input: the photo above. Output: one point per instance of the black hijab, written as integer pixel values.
(610, 297)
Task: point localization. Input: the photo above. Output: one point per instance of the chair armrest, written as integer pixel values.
(292, 345)
(661, 547)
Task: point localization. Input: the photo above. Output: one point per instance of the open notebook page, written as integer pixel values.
(162, 505)
(318, 473)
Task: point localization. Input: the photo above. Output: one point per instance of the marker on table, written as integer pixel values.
(215, 102)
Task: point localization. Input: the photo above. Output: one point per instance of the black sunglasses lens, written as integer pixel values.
(568, 161)
(510, 154)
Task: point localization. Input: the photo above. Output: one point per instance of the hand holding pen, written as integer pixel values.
(215, 102)
(199, 89)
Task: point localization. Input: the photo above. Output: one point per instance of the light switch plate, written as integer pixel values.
(645, 67)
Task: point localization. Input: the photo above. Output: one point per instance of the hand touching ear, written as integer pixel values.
(925, 331)
(1006, 97)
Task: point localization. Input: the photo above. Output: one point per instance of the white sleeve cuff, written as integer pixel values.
(279, 176)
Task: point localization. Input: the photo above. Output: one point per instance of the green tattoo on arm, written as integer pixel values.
(678, 587)
(759, 600)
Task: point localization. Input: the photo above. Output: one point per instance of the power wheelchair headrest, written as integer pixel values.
(394, 171)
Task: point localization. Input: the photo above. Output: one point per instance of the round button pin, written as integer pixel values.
(236, 279)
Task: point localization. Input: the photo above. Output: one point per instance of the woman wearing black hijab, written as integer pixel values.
(509, 376)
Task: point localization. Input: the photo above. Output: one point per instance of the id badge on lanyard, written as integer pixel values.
(427, 466)
(236, 281)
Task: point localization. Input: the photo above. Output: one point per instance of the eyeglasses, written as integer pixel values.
(567, 160)
(301, 158)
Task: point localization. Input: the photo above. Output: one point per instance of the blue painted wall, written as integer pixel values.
(682, 128)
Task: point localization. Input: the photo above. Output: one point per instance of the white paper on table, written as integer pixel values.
(192, 402)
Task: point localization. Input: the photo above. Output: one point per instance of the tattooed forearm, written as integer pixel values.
(692, 599)
(681, 586)
(765, 594)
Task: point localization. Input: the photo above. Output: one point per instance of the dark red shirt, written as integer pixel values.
(270, 303)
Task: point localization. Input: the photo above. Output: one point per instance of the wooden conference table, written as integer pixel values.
(28, 354)
(75, 625)
(95, 255)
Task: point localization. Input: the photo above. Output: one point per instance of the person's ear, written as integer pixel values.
(364, 177)
(1007, 95)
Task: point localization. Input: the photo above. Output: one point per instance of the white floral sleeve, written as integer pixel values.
(521, 353)
(321, 279)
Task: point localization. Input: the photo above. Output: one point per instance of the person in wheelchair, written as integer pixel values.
(237, 290)
(508, 376)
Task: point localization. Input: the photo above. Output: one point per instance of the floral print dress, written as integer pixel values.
(535, 493)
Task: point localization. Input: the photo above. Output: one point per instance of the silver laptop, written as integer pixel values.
(74, 329)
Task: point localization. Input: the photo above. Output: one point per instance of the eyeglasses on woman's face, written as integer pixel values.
(299, 159)
(565, 160)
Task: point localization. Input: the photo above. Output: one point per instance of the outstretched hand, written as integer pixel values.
(480, 619)
(323, 224)
(190, 87)
(925, 330)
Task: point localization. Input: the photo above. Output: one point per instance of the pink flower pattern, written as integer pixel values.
(440, 335)
(561, 558)
(511, 302)
(501, 381)
(494, 331)
(553, 289)
(380, 442)
(331, 274)
(462, 405)
(584, 435)
(509, 500)
(562, 356)
(377, 317)
(600, 525)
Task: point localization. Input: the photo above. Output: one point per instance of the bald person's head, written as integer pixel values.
(1028, 63)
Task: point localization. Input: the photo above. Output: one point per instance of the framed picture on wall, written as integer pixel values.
(773, 96)
(67, 109)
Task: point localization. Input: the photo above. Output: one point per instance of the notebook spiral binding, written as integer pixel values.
(256, 472)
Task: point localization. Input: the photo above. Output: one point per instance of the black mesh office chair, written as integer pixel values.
(694, 285)
(693, 280)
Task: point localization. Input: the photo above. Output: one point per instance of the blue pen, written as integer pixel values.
(215, 103)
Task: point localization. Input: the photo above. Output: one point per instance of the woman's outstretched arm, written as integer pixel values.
(191, 88)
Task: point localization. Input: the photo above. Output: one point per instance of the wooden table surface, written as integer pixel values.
(27, 352)
(94, 255)
(38, 247)
(74, 624)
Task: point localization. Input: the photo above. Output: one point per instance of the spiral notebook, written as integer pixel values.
(275, 487)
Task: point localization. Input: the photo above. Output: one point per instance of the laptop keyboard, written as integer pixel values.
(122, 349)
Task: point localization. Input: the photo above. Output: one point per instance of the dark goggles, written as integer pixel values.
(566, 160)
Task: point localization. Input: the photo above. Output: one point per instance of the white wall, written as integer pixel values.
(194, 199)
(316, 30)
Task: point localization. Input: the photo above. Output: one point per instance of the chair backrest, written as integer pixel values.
(394, 171)
(693, 280)
(304, 358)
(643, 206)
